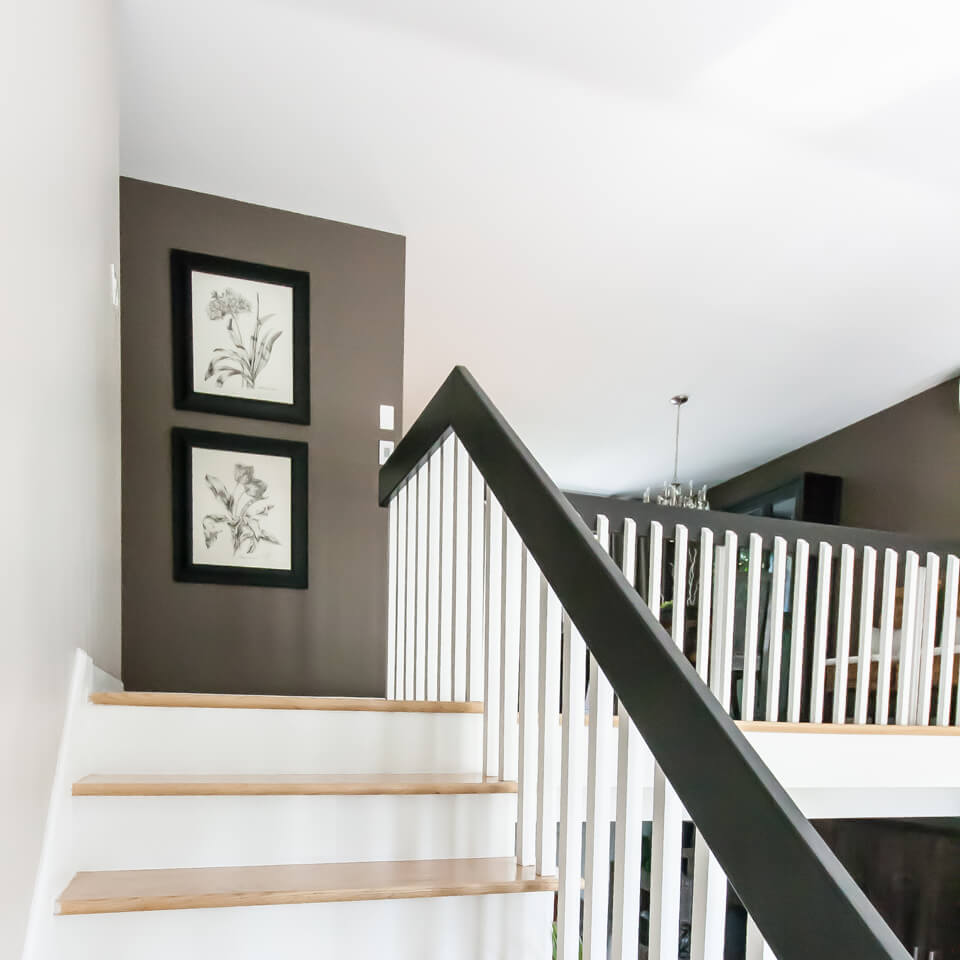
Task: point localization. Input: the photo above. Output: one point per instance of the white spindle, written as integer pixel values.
(400, 648)
(549, 730)
(678, 624)
(599, 757)
(888, 601)
(491, 648)
(476, 595)
(752, 626)
(798, 627)
(709, 902)
(445, 663)
(572, 771)
(908, 627)
(928, 639)
(704, 603)
(528, 748)
(409, 659)
(948, 639)
(757, 948)
(775, 655)
(865, 650)
(461, 569)
(821, 623)
(721, 668)
(667, 835)
(628, 831)
(510, 650)
(844, 620)
(423, 529)
(432, 662)
(391, 598)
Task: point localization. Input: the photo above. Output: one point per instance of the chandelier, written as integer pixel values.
(674, 494)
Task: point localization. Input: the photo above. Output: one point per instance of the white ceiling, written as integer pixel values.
(753, 201)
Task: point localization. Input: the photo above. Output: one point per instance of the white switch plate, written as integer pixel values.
(386, 448)
(386, 416)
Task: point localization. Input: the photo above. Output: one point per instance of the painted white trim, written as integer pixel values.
(54, 868)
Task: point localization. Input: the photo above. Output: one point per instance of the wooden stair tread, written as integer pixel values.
(124, 891)
(251, 701)
(290, 784)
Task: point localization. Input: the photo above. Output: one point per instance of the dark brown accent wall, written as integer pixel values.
(900, 467)
(331, 638)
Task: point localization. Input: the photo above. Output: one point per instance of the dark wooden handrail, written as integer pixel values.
(803, 900)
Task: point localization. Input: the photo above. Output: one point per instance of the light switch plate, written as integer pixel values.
(386, 416)
(386, 448)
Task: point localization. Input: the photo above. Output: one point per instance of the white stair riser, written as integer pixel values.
(211, 741)
(121, 833)
(499, 927)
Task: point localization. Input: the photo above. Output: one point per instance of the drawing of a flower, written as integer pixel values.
(248, 358)
(246, 507)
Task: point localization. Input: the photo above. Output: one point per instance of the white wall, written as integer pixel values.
(60, 416)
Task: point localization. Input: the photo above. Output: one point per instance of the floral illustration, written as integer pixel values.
(249, 357)
(246, 507)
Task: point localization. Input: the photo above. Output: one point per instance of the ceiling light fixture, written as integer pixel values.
(673, 493)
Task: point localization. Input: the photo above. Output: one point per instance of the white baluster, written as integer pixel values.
(432, 662)
(476, 594)
(906, 689)
(821, 623)
(709, 904)
(529, 657)
(888, 601)
(628, 831)
(704, 603)
(865, 650)
(667, 833)
(409, 659)
(798, 626)
(491, 647)
(678, 624)
(461, 569)
(948, 639)
(510, 651)
(390, 692)
(400, 650)
(423, 529)
(777, 599)
(757, 948)
(599, 758)
(446, 660)
(572, 772)
(844, 621)
(754, 569)
(928, 639)
(549, 730)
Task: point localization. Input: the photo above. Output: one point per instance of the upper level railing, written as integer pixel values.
(831, 624)
(495, 581)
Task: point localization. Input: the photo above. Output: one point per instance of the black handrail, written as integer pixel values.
(801, 897)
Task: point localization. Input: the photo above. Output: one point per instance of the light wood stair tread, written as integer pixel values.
(252, 701)
(290, 784)
(124, 891)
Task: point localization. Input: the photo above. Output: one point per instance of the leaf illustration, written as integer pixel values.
(225, 365)
(269, 537)
(234, 330)
(226, 376)
(265, 349)
(257, 508)
(219, 490)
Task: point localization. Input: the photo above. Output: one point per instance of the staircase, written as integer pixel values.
(320, 813)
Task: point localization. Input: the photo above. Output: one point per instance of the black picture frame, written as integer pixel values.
(185, 397)
(183, 442)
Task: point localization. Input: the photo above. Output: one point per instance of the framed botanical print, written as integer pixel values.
(241, 338)
(239, 509)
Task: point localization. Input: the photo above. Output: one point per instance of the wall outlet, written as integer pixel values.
(386, 416)
(386, 448)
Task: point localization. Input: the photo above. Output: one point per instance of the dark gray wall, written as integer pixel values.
(331, 638)
(900, 467)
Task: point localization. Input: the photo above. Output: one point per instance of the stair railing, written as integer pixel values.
(494, 581)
